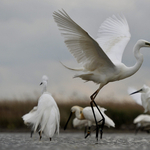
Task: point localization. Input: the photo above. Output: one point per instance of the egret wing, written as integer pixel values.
(113, 36)
(136, 97)
(81, 45)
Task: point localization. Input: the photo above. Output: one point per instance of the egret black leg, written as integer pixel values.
(31, 133)
(40, 134)
(95, 120)
(88, 133)
(85, 129)
(103, 119)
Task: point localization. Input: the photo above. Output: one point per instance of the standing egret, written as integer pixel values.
(100, 58)
(86, 113)
(46, 116)
(142, 122)
(144, 94)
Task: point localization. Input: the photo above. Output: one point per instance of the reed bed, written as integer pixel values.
(11, 113)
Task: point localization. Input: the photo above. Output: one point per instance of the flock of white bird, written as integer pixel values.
(101, 61)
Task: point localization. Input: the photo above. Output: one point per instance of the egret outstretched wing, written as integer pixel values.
(82, 46)
(113, 36)
(135, 97)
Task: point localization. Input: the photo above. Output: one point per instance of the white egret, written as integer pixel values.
(86, 113)
(135, 97)
(46, 116)
(142, 122)
(100, 58)
(144, 95)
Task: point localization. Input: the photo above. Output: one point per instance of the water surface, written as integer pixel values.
(75, 141)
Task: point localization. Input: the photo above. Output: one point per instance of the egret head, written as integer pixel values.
(144, 89)
(143, 43)
(44, 83)
(44, 80)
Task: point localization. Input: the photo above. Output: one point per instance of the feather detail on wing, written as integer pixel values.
(81, 45)
(136, 97)
(113, 36)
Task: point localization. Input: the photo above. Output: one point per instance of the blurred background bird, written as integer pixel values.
(142, 96)
(142, 122)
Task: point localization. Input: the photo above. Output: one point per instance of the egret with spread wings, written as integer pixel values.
(100, 58)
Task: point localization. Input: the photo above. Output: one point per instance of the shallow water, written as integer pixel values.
(75, 141)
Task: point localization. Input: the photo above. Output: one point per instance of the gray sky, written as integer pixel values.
(31, 45)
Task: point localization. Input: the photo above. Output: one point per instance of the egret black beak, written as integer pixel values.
(148, 44)
(68, 121)
(136, 92)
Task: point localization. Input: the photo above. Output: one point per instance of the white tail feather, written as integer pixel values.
(74, 69)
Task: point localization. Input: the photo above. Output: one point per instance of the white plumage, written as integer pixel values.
(135, 97)
(84, 117)
(100, 58)
(88, 114)
(113, 36)
(77, 123)
(144, 96)
(142, 122)
(144, 119)
(45, 117)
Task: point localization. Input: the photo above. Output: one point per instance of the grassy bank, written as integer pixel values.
(12, 111)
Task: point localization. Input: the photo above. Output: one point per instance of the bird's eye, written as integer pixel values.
(146, 43)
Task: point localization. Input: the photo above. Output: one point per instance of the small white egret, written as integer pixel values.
(144, 95)
(100, 58)
(86, 113)
(142, 122)
(135, 97)
(45, 117)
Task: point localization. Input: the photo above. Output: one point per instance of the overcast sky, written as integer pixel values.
(31, 45)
